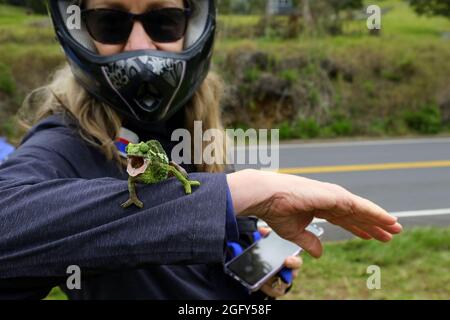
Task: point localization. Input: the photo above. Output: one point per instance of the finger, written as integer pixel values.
(363, 214)
(357, 231)
(354, 205)
(376, 232)
(360, 226)
(344, 223)
(295, 272)
(274, 292)
(366, 231)
(309, 242)
(264, 231)
(393, 229)
(293, 262)
(372, 212)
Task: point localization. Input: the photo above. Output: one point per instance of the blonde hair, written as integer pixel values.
(99, 124)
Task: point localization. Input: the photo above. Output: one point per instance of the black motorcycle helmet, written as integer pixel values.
(145, 86)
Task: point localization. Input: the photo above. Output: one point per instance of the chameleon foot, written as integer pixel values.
(130, 202)
(189, 184)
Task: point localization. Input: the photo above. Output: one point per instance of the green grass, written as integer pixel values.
(401, 28)
(239, 21)
(11, 15)
(402, 21)
(414, 265)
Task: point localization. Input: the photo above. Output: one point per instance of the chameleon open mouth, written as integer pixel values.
(137, 165)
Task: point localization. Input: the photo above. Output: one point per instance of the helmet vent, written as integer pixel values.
(147, 97)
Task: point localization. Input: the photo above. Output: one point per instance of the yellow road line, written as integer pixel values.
(367, 167)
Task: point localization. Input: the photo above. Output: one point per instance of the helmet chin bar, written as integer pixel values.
(153, 82)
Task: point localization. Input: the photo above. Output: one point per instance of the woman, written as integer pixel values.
(135, 77)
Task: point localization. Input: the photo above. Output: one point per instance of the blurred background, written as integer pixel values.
(367, 109)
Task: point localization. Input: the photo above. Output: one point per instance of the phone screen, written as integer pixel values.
(266, 256)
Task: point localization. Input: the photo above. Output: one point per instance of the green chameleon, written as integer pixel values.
(148, 163)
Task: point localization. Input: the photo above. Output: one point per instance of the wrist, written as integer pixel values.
(247, 189)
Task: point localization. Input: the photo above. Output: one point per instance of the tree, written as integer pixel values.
(431, 7)
(307, 16)
(327, 13)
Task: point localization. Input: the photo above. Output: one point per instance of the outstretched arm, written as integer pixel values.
(289, 203)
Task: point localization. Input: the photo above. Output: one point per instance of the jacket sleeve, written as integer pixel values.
(50, 219)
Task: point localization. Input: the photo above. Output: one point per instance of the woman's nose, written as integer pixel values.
(139, 39)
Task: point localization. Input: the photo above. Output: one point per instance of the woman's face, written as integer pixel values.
(138, 39)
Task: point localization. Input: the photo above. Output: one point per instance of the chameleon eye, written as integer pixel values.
(144, 148)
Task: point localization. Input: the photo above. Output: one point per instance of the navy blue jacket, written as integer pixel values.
(60, 205)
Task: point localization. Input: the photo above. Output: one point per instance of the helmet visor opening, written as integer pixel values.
(88, 26)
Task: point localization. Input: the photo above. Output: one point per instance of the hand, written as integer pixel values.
(274, 287)
(289, 203)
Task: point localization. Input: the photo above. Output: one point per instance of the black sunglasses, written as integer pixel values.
(111, 26)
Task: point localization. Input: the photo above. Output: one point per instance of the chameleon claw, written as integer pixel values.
(189, 184)
(194, 183)
(130, 202)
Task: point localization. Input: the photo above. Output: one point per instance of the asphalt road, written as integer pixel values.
(409, 178)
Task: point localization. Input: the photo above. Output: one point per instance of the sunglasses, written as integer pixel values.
(111, 26)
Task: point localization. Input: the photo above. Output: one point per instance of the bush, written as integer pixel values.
(341, 126)
(427, 120)
(290, 76)
(303, 128)
(286, 131)
(308, 128)
(252, 74)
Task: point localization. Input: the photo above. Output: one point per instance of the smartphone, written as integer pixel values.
(264, 259)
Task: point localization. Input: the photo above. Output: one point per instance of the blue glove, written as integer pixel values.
(286, 275)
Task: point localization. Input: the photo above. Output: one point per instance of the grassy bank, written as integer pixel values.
(353, 84)
(413, 266)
